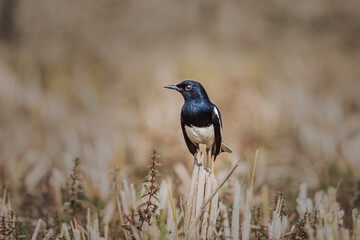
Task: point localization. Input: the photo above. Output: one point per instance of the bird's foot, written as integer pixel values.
(208, 170)
(197, 160)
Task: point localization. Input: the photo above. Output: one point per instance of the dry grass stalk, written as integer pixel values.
(5, 204)
(199, 215)
(133, 194)
(324, 202)
(278, 224)
(195, 202)
(76, 232)
(190, 203)
(199, 198)
(246, 223)
(356, 224)
(173, 221)
(121, 216)
(207, 192)
(127, 194)
(226, 220)
(118, 205)
(246, 228)
(57, 181)
(124, 203)
(37, 228)
(66, 231)
(213, 209)
(235, 222)
(304, 204)
(49, 235)
(265, 203)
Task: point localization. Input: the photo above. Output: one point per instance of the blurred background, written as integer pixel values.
(85, 79)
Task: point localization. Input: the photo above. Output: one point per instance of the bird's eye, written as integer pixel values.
(188, 87)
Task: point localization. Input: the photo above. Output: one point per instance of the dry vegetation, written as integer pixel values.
(82, 107)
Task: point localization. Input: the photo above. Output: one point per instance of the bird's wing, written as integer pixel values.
(192, 147)
(216, 121)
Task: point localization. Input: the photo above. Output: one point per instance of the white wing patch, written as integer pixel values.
(218, 116)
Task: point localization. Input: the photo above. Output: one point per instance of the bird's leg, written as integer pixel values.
(207, 161)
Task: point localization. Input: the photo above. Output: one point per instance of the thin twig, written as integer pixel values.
(253, 172)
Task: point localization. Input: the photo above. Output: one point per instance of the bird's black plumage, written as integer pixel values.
(200, 119)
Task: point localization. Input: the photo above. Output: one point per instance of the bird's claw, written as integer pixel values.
(208, 170)
(197, 160)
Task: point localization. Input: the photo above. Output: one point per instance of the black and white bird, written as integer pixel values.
(200, 120)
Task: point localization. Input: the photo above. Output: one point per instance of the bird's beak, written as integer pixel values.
(174, 87)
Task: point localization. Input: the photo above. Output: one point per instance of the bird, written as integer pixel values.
(200, 121)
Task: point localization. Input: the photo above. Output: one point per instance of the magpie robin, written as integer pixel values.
(200, 120)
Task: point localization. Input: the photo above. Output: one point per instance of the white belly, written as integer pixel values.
(201, 135)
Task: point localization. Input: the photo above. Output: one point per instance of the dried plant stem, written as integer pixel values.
(200, 191)
(122, 222)
(117, 200)
(235, 220)
(37, 228)
(356, 224)
(213, 208)
(173, 212)
(49, 235)
(226, 220)
(66, 231)
(190, 209)
(205, 223)
(254, 168)
(222, 182)
(58, 201)
(247, 218)
(199, 215)
(265, 203)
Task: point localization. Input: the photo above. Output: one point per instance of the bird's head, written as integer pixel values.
(189, 89)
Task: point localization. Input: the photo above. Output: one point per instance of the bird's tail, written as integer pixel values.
(225, 148)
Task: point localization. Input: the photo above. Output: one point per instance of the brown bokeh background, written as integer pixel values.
(85, 79)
